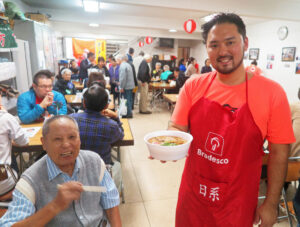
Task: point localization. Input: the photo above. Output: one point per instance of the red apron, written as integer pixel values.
(220, 181)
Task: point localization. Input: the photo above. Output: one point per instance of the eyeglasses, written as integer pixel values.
(45, 86)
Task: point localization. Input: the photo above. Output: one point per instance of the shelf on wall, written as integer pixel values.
(7, 70)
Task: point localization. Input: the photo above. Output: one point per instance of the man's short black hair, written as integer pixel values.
(90, 54)
(176, 69)
(42, 74)
(222, 18)
(95, 98)
(101, 59)
(131, 50)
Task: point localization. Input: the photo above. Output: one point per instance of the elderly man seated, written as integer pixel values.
(99, 127)
(40, 100)
(51, 191)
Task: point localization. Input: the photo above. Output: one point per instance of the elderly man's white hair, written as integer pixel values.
(157, 64)
(118, 57)
(147, 56)
(166, 67)
(122, 57)
(66, 70)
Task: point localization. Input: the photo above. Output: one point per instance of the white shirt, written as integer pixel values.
(136, 62)
(10, 130)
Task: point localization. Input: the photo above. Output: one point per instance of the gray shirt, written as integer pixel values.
(126, 76)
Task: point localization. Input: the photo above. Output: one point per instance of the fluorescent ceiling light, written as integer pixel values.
(94, 25)
(209, 17)
(91, 6)
(172, 30)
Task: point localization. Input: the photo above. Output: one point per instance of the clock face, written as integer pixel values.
(282, 32)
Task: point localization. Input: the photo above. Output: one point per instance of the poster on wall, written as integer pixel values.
(270, 57)
(298, 68)
(253, 53)
(269, 65)
(100, 47)
(288, 54)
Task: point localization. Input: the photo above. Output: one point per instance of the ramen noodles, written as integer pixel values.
(167, 140)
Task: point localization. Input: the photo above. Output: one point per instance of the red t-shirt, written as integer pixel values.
(267, 102)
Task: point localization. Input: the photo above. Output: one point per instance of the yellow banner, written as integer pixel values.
(100, 47)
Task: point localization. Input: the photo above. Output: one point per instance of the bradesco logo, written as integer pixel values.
(214, 144)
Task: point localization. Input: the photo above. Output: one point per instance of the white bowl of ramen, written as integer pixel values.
(168, 145)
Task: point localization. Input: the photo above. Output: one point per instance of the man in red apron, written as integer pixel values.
(229, 113)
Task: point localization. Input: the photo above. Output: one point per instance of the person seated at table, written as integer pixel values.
(101, 66)
(40, 100)
(157, 71)
(179, 78)
(64, 84)
(99, 127)
(10, 130)
(164, 75)
(75, 69)
(50, 192)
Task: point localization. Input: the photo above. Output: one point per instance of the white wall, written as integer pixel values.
(264, 36)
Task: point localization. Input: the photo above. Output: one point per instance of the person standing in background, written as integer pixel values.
(130, 54)
(206, 68)
(126, 82)
(135, 83)
(85, 65)
(136, 62)
(102, 67)
(114, 80)
(191, 67)
(144, 77)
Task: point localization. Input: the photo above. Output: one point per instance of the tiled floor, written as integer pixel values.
(150, 187)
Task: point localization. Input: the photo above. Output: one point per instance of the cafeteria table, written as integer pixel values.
(171, 99)
(35, 148)
(158, 89)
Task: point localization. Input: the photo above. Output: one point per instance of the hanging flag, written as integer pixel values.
(80, 45)
(100, 47)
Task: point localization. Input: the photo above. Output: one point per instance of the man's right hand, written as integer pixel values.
(67, 193)
(47, 101)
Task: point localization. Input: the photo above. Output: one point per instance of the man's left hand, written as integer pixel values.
(266, 214)
(109, 113)
(122, 90)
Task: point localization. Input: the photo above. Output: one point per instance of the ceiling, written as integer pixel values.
(126, 19)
